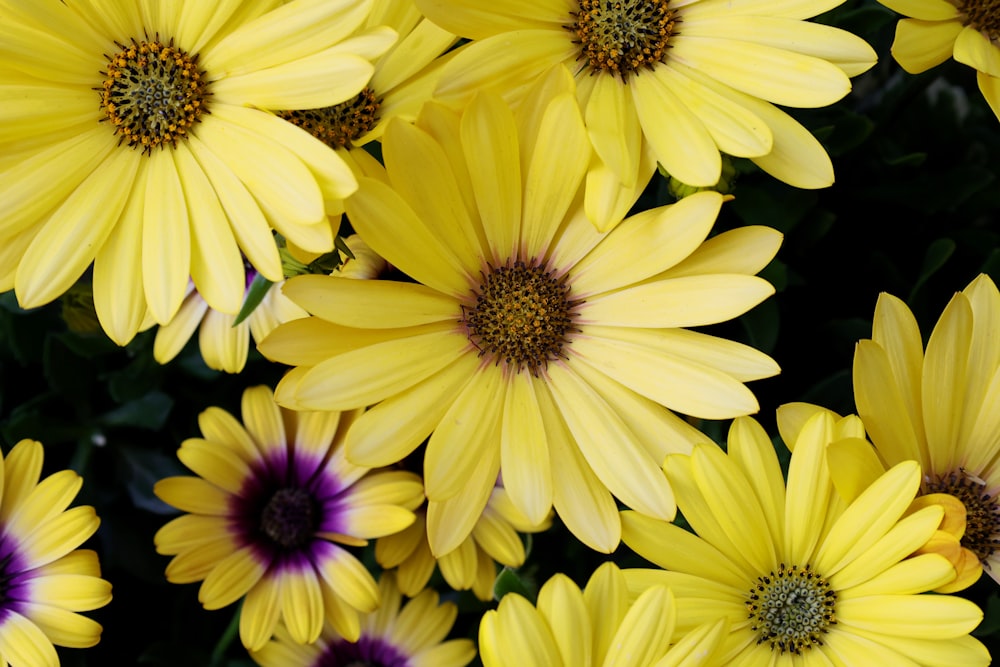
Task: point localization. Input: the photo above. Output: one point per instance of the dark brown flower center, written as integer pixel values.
(153, 93)
(622, 36)
(983, 15)
(289, 518)
(982, 513)
(790, 609)
(522, 315)
(341, 124)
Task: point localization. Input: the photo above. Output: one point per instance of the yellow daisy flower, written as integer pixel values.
(394, 635)
(473, 565)
(941, 407)
(44, 579)
(683, 80)
(804, 577)
(966, 30)
(133, 139)
(403, 80)
(266, 511)
(529, 342)
(597, 627)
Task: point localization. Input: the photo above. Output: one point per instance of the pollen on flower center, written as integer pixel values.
(791, 608)
(339, 125)
(622, 36)
(982, 511)
(983, 15)
(289, 518)
(153, 93)
(522, 315)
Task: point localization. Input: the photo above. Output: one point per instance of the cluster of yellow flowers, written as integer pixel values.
(503, 309)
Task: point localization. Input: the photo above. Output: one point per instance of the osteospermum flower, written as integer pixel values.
(593, 628)
(966, 30)
(529, 342)
(803, 576)
(394, 635)
(941, 407)
(473, 565)
(133, 138)
(403, 80)
(269, 505)
(44, 579)
(684, 80)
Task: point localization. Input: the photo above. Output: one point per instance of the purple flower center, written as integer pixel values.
(367, 652)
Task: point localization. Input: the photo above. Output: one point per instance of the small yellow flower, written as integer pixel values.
(394, 635)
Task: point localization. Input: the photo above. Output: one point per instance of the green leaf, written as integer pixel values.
(256, 293)
(936, 256)
(147, 412)
(508, 581)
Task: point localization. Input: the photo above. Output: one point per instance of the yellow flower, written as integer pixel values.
(394, 635)
(941, 407)
(966, 30)
(266, 511)
(44, 579)
(804, 577)
(678, 80)
(170, 169)
(473, 565)
(529, 342)
(597, 627)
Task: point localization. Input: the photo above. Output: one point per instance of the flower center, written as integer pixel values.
(791, 609)
(366, 652)
(339, 125)
(289, 518)
(983, 15)
(620, 36)
(982, 512)
(153, 93)
(521, 316)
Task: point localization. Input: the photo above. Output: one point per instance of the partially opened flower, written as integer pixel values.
(134, 139)
(394, 635)
(44, 579)
(224, 344)
(941, 407)
(266, 512)
(598, 627)
(529, 342)
(804, 577)
(683, 80)
(473, 564)
(966, 30)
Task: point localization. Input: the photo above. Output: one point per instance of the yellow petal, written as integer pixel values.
(166, 238)
(921, 45)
